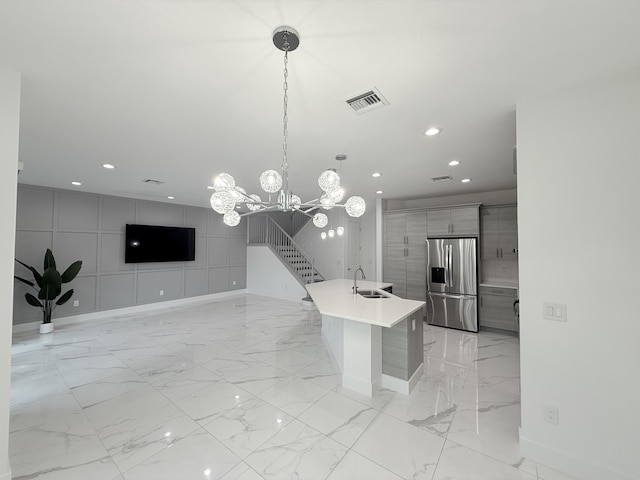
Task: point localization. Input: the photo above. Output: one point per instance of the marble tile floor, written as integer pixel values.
(244, 389)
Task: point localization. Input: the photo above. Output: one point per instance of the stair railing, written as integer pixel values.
(298, 220)
(263, 230)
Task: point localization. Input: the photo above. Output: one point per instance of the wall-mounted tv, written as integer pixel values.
(151, 243)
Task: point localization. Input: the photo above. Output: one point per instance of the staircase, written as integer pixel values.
(291, 222)
(264, 230)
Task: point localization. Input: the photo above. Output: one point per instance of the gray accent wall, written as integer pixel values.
(91, 228)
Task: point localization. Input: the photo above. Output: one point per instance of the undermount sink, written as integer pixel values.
(372, 294)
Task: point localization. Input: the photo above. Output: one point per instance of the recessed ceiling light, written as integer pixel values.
(77, 184)
(380, 192)
(431, 131)
(211, 187)
(376, 174)
(108, 166)
(465, 180)
(453, 163)
(170, 197)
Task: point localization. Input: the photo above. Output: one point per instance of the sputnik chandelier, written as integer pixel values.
(340, 230)
(228, 195)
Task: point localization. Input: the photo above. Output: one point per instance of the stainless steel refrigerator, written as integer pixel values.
(452, 283)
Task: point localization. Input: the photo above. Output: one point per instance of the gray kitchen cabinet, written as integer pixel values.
(402, 347)
(499, 233)
(453, 222)
(405, 260)
(496, 308)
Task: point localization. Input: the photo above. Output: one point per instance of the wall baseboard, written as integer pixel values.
(568, 463)
(148, 307)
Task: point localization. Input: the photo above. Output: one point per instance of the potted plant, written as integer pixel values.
(48, 284)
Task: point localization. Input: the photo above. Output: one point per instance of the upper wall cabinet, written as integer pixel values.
(499, 233)
(453, 222)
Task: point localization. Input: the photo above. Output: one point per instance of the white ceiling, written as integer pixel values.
(180, 90)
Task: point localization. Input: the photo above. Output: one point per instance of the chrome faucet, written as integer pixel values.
(355, 278)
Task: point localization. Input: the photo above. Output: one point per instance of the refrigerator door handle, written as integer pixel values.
(445, 261)
(449, 295)
(449, 265)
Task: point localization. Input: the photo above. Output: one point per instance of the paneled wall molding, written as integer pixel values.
(91, 227)
(137, 310)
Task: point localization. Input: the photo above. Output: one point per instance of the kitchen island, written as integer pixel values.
(375, 341)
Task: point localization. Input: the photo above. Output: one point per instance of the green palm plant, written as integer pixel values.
(48, 284)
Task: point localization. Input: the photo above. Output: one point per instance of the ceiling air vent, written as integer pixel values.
(151, 181)
(367, 101)
(442, 178)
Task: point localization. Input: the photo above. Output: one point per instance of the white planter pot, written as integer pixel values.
(46, 327)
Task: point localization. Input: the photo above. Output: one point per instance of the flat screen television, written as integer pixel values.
(151, 243)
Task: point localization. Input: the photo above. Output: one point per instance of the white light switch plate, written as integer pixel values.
(554, 311)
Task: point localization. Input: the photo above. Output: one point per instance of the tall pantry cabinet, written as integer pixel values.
(405, 260)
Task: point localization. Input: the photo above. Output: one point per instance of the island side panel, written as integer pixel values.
(402, 347)
(395, 351)
(333, 333)
(416, 342)
(362, 357)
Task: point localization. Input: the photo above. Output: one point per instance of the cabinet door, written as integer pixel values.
(395, 229)
(395, 270)
(464, 221)
(439, 223)
(490, 233)
(509, 233)
(395, 253)
(416, 261)
(496, 311)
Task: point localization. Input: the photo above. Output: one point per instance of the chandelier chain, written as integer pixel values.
(285, 87)
(229, 196)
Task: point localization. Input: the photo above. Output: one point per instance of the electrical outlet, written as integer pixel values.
(550, 415)
(76, 303)
(233, 282)
(161, 292)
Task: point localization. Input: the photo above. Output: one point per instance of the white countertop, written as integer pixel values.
(335, 298)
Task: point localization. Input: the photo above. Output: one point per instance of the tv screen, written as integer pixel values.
(150, 243)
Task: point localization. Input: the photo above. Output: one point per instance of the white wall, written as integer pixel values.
(266, 275)
(579, 210)
(331, 255)
(9, 137)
